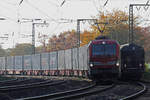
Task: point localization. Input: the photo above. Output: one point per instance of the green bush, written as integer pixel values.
(146, 76)
(147, 67)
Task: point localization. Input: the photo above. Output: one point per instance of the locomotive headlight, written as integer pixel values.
(103, 42)
(117, 64)
(140, 65)
(125, 65)
(91, 65)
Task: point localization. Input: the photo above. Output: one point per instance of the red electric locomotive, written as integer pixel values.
(104, 58)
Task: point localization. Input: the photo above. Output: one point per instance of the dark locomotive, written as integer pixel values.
(132, 61)
(103, 58)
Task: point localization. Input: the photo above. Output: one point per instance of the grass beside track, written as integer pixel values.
(146, 76)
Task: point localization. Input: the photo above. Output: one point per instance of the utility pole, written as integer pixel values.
(33, 34)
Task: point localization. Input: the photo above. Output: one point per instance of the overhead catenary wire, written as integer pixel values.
(60, 26)
(6, 2)
(58, 8)
(62, 3)
(147, 2)
(94, 3)
(9, 18)
(106, 3)
(39, 10)
(6, 8)
(52, 3)
(100, 5)
(21, 2)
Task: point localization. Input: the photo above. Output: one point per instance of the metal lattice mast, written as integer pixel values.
(131, 19)
(131, 24)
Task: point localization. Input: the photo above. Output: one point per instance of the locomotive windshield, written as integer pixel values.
(104, 49)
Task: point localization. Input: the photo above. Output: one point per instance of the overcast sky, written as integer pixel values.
(51, 11)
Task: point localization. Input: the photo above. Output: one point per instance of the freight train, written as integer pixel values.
(99, 59)
(71, 62)
(104, 58)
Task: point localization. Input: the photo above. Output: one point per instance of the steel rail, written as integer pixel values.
(136, 94)
(67, 94)
(7, 81)
(10, 83)
(13, 80)
(145, 81)
(77, 95)
(41, 84)
(22, 85)
(43, 97)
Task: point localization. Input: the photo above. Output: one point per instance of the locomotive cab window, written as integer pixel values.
(97, 50)
(101, 49)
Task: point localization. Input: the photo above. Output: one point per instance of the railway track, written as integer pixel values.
(86, 92)
(138, 93)
(14, 82)
(91, 89)
(146, 95)
(29, 86)
(69, 85)
(16, 91)
(122, 91)
(100, 90)
(22, 86)
(7, 81)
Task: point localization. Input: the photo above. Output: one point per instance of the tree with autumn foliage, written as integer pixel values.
(116, 25)
(86, 37)
(42, 39)
(112, 24)
(2, 52)
(144, 39)
(64, 40)
(21, 49)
